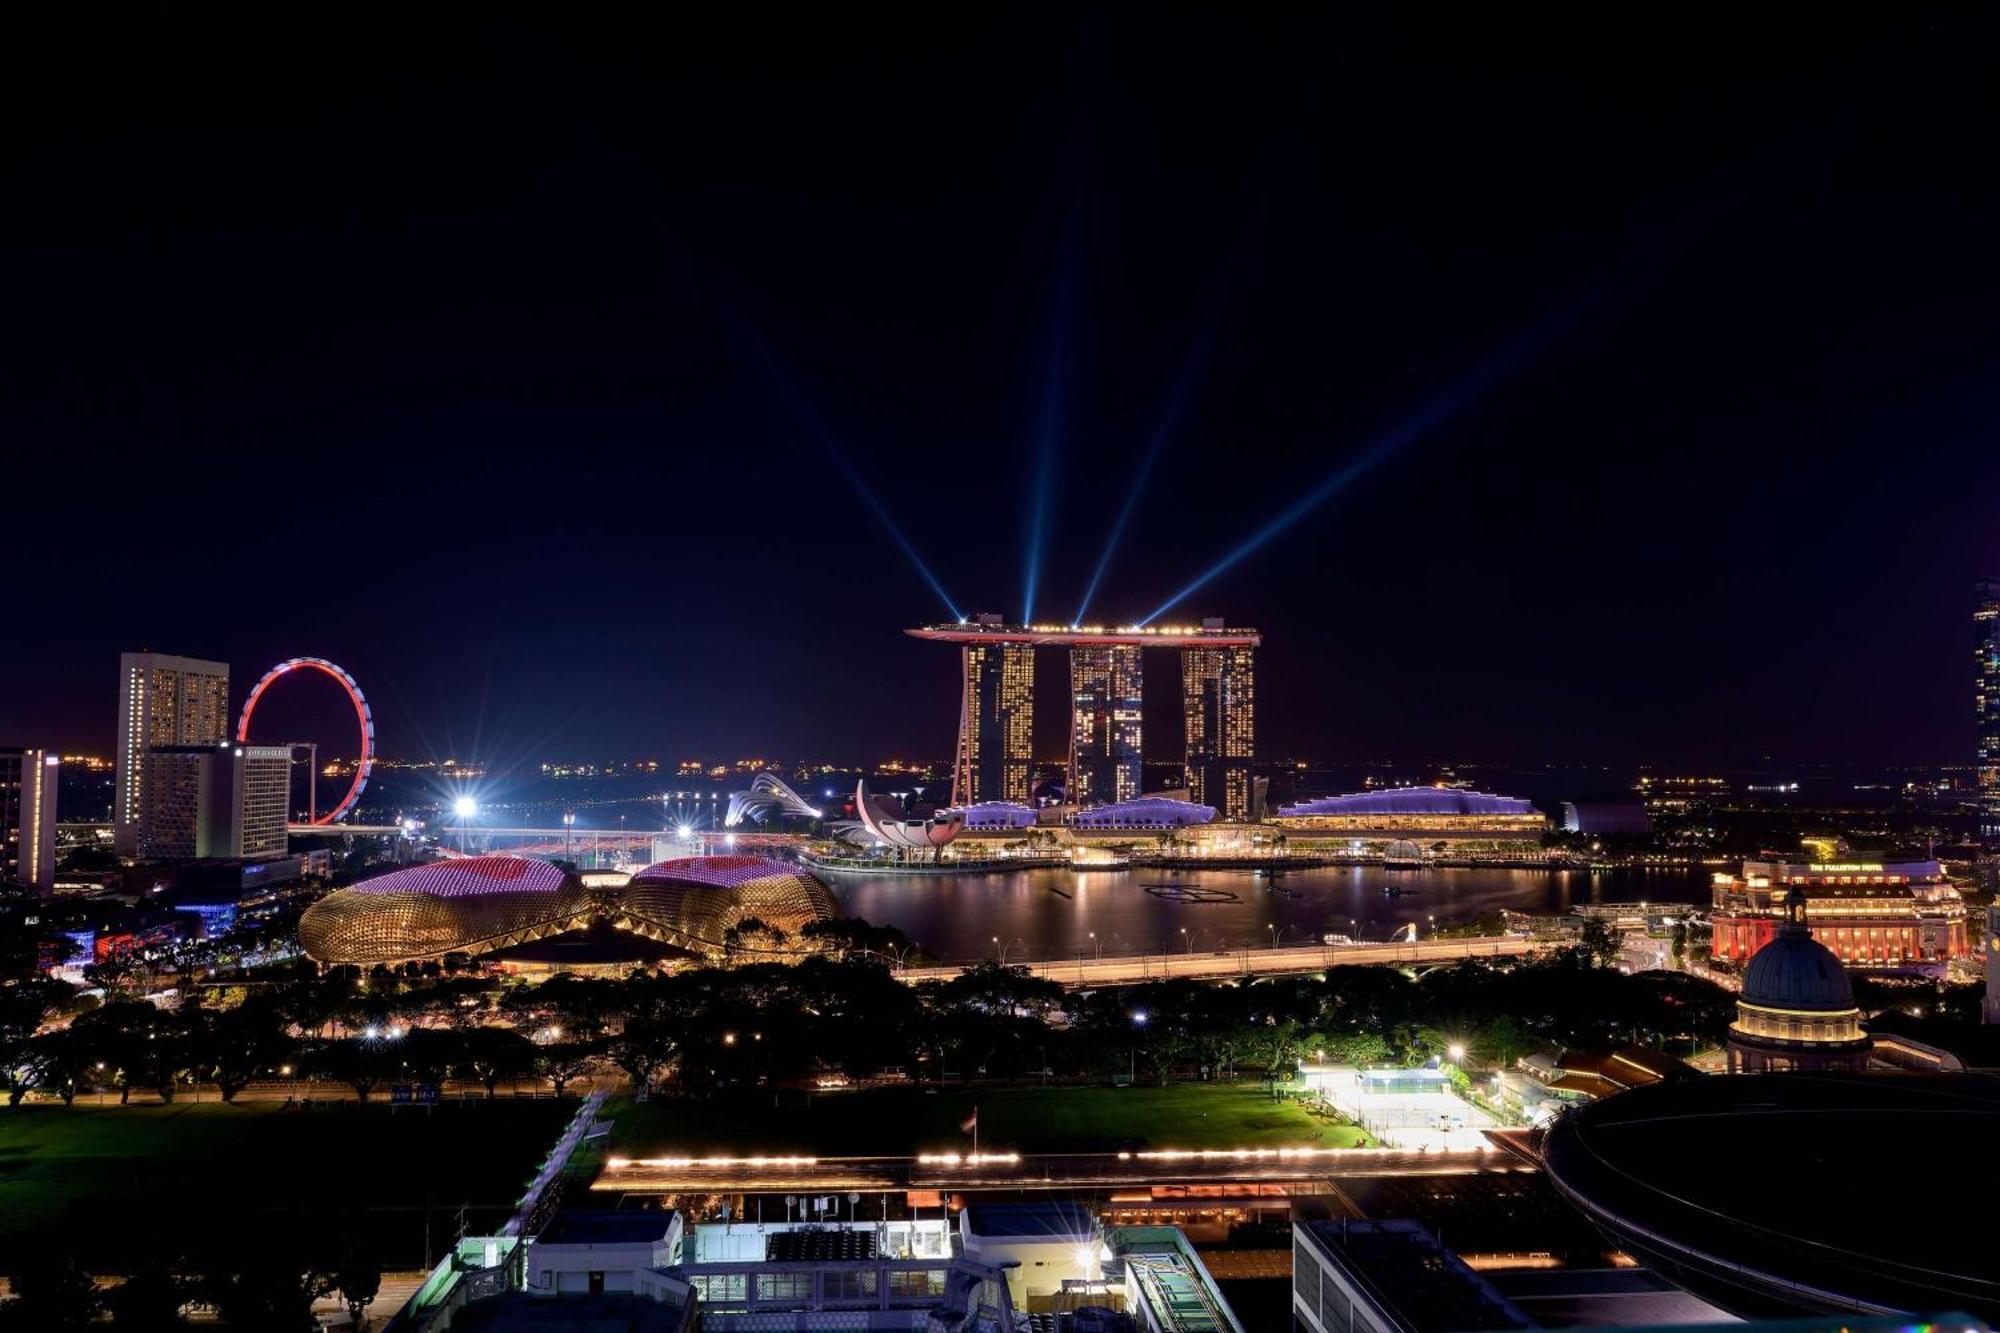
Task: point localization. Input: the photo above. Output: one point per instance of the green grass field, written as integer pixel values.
(900, 1121)
(113, 1186)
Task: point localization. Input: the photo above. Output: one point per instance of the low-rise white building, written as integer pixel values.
(592, 1253)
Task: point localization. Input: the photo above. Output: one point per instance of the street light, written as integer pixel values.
(1455, 1053)
(466, 809)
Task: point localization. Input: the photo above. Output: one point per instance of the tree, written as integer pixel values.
(581, 1006)
(113, 973)
(148, 1301)
(561, 1062)
(1599, 941)
(646, 1046)
(231, 1048)
(853, 934)
(270, 1291)
(359, 1280)
(494, 1054)
(23, 1009)
(49, 1293)
(133, 1043)
(62, 1062)
(754, 938)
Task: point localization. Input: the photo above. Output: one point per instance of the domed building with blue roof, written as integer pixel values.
(1797, 1007)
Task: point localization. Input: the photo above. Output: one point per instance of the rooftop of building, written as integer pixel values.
(820, 1245)
(1414, 1279)
(723, 871)
(1148, 810)
(1413, 801)
(460, 876)
(1048, 1218)
(1796, 972)
(519, 1312)
(1870, 1186)
(605, 1227)
(1603, 1298)
(1172, 1283)
(989, 629)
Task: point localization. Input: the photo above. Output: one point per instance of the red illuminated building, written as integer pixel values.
(1870, 914)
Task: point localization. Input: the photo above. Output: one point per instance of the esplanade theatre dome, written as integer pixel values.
(479, 904)
(470, 904)
(694, 901)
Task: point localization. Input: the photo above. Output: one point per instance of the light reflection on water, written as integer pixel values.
(1051, 913)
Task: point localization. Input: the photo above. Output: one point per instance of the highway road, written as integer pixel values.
(1125, 970)
(1045, 1171)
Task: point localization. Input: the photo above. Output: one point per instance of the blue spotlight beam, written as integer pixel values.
(814, 426)
(1050, 439)
(1191, 368)
(1485, 377)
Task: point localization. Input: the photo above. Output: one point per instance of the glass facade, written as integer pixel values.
(1105, 686)
(1220, 694)
(228, 802)
(162, 700)
(28, 780)
(996, 724)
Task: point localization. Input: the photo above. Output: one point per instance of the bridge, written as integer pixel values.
(594, 845)
(1221, 965)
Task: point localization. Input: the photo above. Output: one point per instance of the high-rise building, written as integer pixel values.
(28, 780)
(996, 716)
(162, 700)
(1219, 689)
(1986, 705)
(1104, 749)
(996, 724)
(216, 802)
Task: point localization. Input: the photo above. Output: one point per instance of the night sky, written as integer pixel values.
(521, 368)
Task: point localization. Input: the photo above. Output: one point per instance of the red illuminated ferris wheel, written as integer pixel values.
(362, 766)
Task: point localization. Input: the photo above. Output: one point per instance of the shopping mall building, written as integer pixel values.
(1429, 817)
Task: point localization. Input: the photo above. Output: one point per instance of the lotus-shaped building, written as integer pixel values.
(476, 905)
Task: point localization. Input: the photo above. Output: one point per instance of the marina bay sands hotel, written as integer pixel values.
(996, 721)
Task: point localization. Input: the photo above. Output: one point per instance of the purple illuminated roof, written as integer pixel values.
(724, 872)
(1145, 812)
(1413, 801)
(999, 814)
(469, 876)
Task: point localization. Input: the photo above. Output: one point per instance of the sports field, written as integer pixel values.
(113, 1186)
(902, 1121)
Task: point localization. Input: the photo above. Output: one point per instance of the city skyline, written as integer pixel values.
(1066, 669)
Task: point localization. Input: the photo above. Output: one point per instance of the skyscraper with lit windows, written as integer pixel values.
(162, 700)
(225, 802)
(28, 780)
(1219, 689)
(996, 716)
(1104, 733)
(996, 724)
(1986, 705)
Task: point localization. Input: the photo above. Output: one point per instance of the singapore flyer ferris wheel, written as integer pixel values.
(363, 764)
